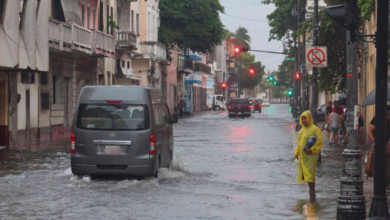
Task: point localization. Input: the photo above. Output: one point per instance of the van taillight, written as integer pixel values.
(72, 144)
(152, 150)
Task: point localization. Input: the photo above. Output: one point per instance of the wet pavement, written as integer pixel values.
(223, 169)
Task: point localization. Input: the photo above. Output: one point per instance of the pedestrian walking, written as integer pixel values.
(327, 114)
(334, 123)
(181, 106)
(307, 160)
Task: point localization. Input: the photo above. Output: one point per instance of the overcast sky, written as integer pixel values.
(252, 15)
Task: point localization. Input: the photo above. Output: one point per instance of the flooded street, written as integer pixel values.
(223, 169)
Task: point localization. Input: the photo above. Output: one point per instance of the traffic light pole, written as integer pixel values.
(379, 208)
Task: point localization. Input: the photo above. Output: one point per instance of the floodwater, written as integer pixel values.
(222, 169)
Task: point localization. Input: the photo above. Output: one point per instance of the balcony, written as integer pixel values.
(184, 65)
(203, 68)
(103, 44)
(126, 40)
(154, 50)
(69, 37)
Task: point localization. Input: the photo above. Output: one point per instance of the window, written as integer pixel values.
(123, 64)
(88, 18)
(2, 7)
(132, 20)
(45, 101)
(108, 19)
(21, 12)
(82, 15)
(119, 16)
(27, 77)
(128, 64)
(57, 90)
(220, 98)
(43, 78)
(112, 18)
(137, 23)
(113, 117)
(94, 18)
(239, 101)
(101, 17)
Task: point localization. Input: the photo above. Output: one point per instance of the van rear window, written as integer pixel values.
(239, 101)
(113, 117)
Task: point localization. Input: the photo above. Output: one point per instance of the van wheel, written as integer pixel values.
(217, 108)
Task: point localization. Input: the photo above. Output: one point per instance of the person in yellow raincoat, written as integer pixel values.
(307, 160)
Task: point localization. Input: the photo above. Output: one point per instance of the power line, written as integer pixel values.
(247, 19)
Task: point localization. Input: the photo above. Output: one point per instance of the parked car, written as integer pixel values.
(321, 113)
(255, 105)
(121, 130)
(218, 103)
(239, 107)
(266, 104)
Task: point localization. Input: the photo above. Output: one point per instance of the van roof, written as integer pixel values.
(125, 93)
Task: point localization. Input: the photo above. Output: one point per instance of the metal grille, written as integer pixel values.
(65, 93)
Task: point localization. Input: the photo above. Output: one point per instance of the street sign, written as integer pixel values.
(316, 57)
(289, 59)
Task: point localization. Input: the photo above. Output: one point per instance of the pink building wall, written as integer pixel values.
(91, 4)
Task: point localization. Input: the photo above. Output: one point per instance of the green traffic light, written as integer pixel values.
(275, 83)
(289, 92)
(271, 78)
(290, 109)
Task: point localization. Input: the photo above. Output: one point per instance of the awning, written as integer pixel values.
(194, 57)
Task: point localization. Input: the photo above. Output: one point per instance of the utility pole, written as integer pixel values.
(304, 78)
(379, 208)
(315, 70)
(351, 201)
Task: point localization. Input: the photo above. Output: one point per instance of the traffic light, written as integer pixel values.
(237, 50)
(252, 71)
(290, 92)
(297, 76)
(271, 78)
(275, 83)
(346, 16)
(223, 86)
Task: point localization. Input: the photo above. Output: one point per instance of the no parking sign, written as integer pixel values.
(316, 57)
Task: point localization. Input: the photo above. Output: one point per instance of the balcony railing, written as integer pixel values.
(154, 50)
(126, 40)
(200, 67)
(184, 64)
(69, 37)
(103, 44)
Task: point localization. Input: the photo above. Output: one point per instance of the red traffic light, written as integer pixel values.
(252, 71)
(223, 85)
(297, 75)
(237, 50)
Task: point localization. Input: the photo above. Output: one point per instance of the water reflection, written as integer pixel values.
(308, 208)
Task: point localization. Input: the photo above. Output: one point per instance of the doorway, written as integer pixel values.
(3, 110)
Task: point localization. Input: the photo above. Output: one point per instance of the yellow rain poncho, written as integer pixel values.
(307, 163)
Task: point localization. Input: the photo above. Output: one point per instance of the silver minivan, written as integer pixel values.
(121, 130)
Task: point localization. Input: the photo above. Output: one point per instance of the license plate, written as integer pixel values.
(239, 113)
(113, 149)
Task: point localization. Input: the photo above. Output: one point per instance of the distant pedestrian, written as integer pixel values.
(360, 127)
(334, 123)
(307, 160)
(327, 114)
(371, 128)
(181, 106)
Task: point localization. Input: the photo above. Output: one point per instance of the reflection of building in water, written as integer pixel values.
(309, 209)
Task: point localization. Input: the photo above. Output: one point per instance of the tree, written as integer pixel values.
(191, 24)
(280, 20)
(242, 38)
(244, 62)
